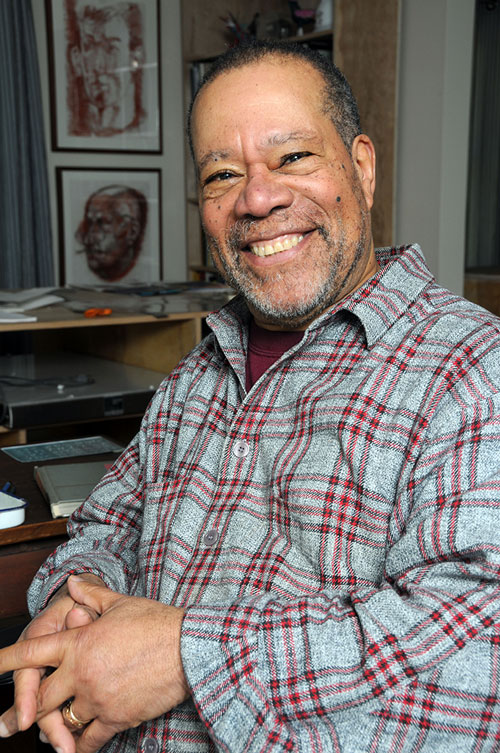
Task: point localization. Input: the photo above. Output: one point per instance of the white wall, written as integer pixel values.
(171, 162)
(436, 47)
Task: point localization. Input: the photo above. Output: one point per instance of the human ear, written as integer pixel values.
(76, 61)
(363, 157)
(133, 231)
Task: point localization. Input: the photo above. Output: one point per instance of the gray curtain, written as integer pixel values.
(25, 237)
(483, 204)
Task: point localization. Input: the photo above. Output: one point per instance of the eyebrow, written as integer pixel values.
(276, 139)
(213, 156)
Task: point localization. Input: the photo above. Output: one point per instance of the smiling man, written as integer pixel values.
(285, 203)
(299, 550)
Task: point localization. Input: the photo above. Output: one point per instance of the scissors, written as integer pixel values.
(89, 313)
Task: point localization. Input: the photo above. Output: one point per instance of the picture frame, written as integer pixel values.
(104, 75)
(110, 229)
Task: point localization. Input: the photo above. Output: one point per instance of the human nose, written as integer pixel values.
(262, 193)
(94, 233)
(99, 62)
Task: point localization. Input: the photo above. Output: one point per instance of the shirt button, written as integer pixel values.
(210, 537)
(241, 448)
(150, 745)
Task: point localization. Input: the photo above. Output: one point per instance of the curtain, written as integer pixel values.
(25, 236)
(483, 213)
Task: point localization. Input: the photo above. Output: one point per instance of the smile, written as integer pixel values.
(268, 248)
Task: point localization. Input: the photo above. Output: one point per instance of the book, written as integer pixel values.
(15, 317)
(65, 486)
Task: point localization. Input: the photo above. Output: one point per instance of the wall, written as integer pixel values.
(171, 162)
(436, 45)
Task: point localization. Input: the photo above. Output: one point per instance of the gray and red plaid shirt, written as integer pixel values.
(334, 534)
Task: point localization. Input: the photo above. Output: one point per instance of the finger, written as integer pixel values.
(54, 692)
(46, 651)
(52, 727)
(97, 597)
(80, 616)
(8, 723)
(95, 736)
(26, 686)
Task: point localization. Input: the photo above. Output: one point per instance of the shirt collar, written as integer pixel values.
(388, 295)
(377, 304)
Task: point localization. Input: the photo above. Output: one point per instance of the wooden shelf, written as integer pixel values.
(312, 36)
(128, 337)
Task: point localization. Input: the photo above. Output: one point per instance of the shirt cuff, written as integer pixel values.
(219, 649)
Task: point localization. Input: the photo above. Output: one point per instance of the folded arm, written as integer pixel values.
(416, 651)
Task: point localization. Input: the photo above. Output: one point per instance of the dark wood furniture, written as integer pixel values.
(24, 548)
(22, 551)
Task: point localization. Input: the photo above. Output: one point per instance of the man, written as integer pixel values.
(306, 524)
(106, 62)
(112, 231)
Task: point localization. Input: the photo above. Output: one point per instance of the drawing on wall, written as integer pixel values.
(104, 59)
(109, 226)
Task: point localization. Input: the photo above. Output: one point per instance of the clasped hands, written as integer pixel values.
(117, 657)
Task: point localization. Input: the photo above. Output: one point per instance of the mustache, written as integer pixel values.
(282, 220)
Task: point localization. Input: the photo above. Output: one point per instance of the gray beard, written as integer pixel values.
(315, 299)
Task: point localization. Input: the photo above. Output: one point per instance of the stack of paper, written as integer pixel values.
(13, 303)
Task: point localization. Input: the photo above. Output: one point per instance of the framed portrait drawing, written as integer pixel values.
(109, 226)
(104, 62)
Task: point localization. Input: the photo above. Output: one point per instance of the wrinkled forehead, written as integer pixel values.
(274, 95)
(286, 75)
(103, 204)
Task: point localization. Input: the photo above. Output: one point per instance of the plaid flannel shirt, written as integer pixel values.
(333, 534)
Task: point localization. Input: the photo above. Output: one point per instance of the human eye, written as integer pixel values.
(293, 157)
(218, 177)
(111, 46)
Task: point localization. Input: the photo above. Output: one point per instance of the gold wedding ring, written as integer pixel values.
(70, 718)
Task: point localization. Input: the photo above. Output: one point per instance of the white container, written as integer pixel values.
(11, 510)
(324, 15)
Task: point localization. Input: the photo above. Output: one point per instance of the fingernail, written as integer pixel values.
(4, 732)
(43, 737)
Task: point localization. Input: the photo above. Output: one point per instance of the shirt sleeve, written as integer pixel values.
(414, 658)
(104, 533)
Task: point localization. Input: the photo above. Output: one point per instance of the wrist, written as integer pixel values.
(63, 590)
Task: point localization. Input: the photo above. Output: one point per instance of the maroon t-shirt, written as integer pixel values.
(265, 346)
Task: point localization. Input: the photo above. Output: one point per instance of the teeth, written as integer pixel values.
(267, 249)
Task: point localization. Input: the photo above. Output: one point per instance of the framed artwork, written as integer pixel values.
(104, 62)
(109, 226)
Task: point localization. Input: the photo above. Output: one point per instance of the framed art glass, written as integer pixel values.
(109, 226)
(104, 61)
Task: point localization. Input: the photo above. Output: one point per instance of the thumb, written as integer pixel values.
(93, 595)
(79, 616)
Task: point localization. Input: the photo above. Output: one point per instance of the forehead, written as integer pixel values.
(276, 91)
(109, 27)
(102, 202)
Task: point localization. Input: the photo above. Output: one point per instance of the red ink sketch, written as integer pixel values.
(104, 59)
(112, 230)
